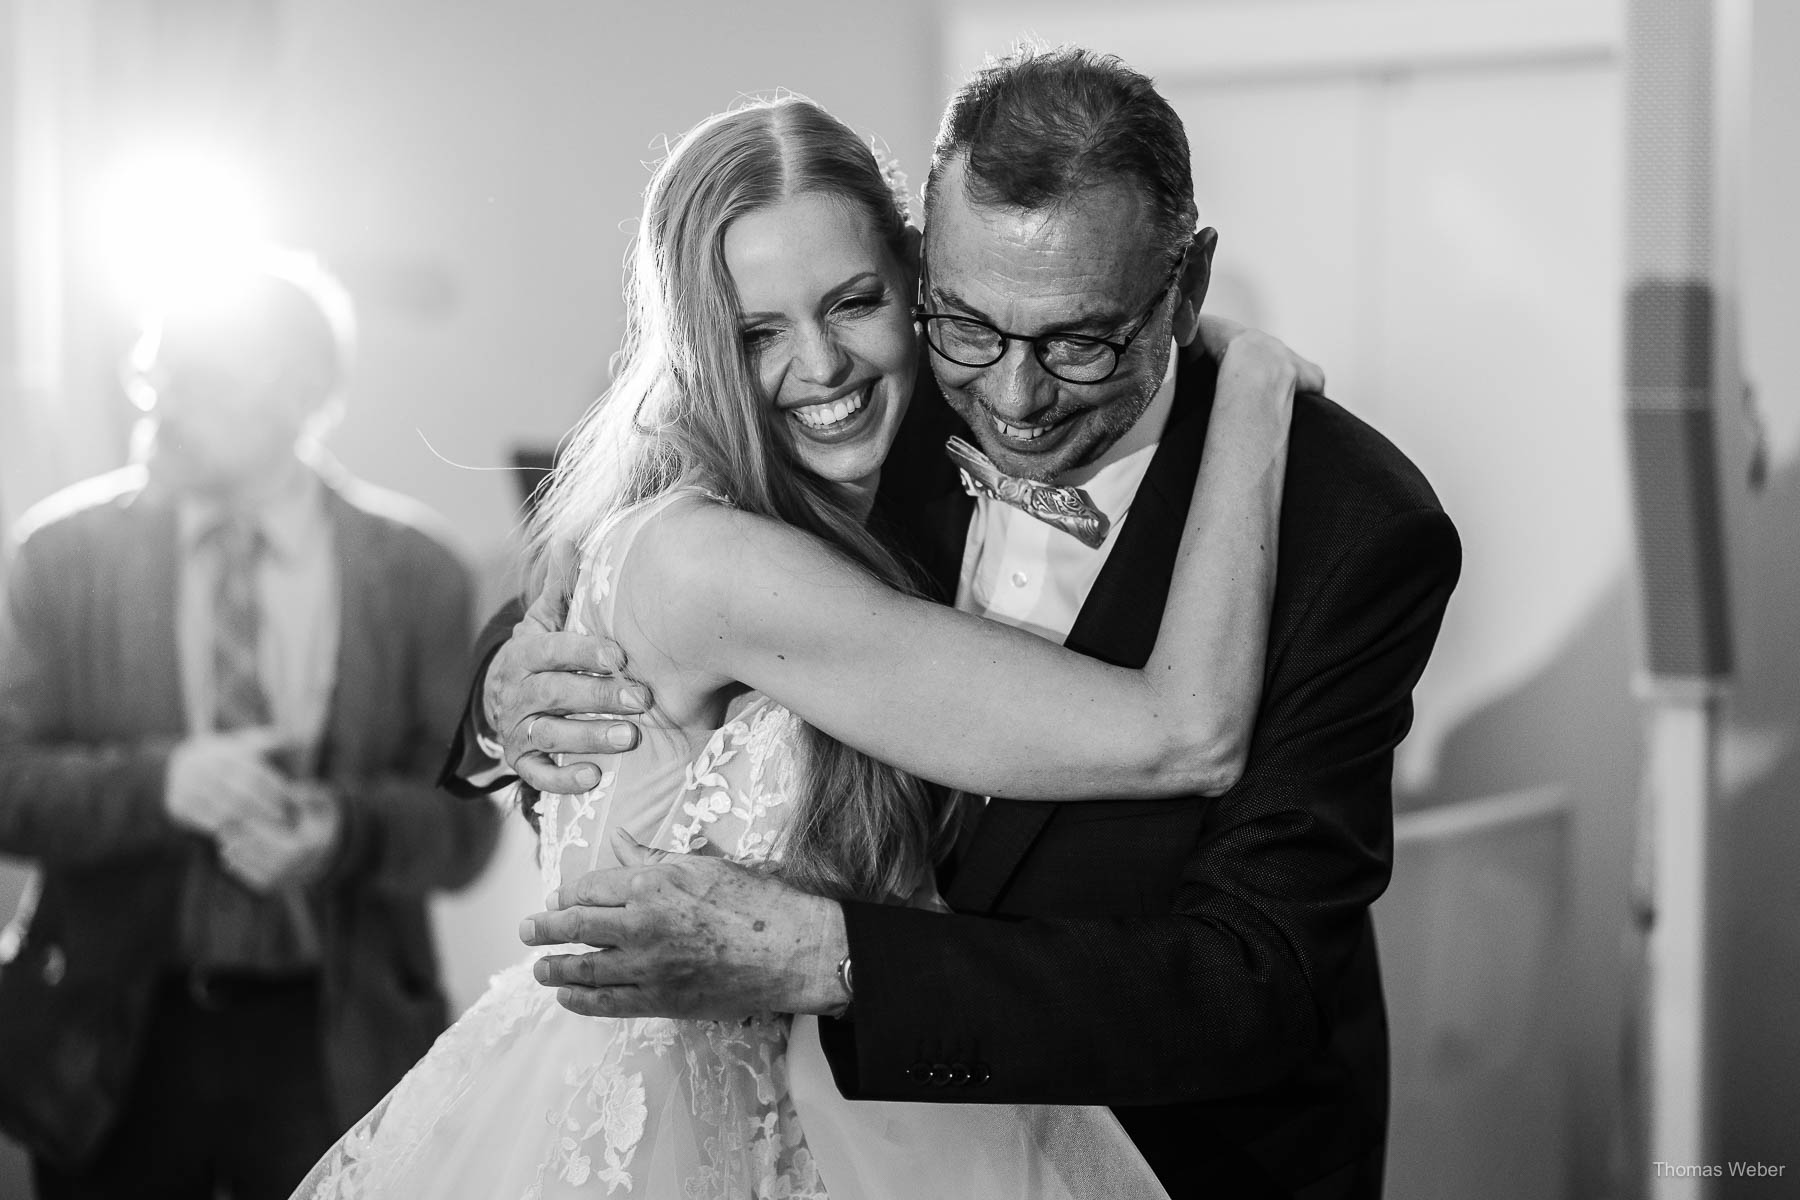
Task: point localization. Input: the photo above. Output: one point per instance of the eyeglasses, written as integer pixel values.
(1070, 357)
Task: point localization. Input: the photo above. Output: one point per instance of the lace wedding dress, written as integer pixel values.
(524, 1100)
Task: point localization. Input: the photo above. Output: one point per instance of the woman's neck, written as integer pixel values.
(859, 495)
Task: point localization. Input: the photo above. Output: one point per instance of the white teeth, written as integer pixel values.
(823, 416)
(1020, 433)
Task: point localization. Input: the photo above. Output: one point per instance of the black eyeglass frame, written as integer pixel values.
(1119, 347)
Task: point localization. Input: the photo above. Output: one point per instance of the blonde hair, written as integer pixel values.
(685, 409)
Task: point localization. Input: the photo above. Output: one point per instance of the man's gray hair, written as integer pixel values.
(1040, 127)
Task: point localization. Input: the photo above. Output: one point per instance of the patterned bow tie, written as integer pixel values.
(1066, 508)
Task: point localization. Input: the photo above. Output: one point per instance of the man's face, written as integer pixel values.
(228, 415)
(1091, 267)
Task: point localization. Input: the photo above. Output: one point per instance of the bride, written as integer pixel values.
(715, 498)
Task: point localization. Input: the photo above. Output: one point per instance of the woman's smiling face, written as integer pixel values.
(827, 327)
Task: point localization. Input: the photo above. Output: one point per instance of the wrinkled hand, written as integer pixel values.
(544, 686)
(688, 935)
(1220, 336)
(267, 856)
(216, 779)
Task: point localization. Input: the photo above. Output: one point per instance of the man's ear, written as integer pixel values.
(1196, 275)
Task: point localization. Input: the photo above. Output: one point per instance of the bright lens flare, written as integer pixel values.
(173, 222)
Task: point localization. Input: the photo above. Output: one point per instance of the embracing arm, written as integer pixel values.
(526, 667)
(975, 704)
(1236, 983)
(470, 767)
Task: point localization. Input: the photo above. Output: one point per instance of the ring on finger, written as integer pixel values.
(530, 724)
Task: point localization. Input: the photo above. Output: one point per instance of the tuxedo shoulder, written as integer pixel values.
(1337, 458)
(82, 508)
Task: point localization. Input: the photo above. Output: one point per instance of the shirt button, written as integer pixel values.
(1020, 579)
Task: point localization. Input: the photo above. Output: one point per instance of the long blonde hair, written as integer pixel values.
(685, 409)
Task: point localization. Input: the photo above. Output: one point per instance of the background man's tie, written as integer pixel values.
(225, 925)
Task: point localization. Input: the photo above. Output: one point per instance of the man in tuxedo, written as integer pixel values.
(225, 675)
(1206, 967)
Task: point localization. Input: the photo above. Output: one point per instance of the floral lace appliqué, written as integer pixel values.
(737, 813)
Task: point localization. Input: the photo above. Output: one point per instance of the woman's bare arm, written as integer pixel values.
(975, 704)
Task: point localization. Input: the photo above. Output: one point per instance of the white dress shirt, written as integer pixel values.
(1030, 575)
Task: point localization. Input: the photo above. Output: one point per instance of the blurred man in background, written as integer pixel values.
(226, 675)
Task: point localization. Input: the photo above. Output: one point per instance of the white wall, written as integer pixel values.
(476, 167)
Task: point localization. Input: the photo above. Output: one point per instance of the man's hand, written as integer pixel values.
(543, 680)
(217, 779)
(267, 856)
(686, 935)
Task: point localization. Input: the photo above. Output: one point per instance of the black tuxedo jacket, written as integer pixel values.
(1206, 967)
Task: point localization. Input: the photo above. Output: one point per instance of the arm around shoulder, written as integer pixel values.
(732, 597)
(471, 767)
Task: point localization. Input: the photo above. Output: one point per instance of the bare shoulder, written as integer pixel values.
(705, 547)
(678, 577)
(706, 583)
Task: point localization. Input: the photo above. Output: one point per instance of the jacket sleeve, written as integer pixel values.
(1229, 991)
(466, 760)
(402, 832)
(63, 800)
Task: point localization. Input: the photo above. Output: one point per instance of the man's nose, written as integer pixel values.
(1017, 385)
(819, 358)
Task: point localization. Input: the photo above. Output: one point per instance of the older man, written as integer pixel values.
(225, 676)
(1208, 968)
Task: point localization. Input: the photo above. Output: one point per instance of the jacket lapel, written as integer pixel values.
(1118, 622)
(360, 652)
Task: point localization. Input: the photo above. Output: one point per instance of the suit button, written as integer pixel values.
(960, 1075)
(56, 965)
(919, 1073)
(940, 1074)
(980, 1074)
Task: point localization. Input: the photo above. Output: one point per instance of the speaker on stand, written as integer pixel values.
(1686, 80)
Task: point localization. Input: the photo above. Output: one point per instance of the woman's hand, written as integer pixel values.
(1220, 336)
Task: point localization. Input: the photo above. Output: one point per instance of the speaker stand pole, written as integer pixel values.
(1682, 734)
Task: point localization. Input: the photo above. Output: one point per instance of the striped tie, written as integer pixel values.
(239, 701)
(224, 924)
